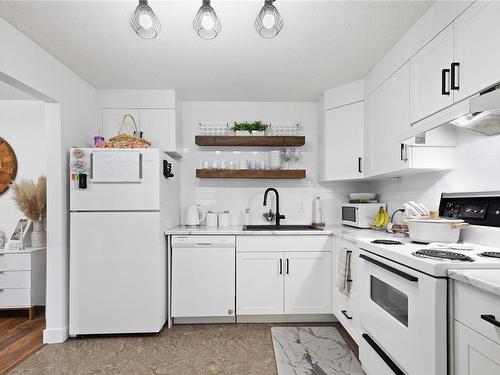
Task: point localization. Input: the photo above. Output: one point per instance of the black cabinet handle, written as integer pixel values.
(444, 79)
(287, 266)
(344, 312)
(404, 156)
(359, 165)
(454, 76)
(404, 275)
(281, 266)
(388, 361)
(491, 319)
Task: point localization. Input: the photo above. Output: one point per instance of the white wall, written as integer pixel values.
(22, 124)
(71, 122)
(477, 169)
(236, 195)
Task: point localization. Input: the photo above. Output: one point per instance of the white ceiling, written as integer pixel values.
(323, 44)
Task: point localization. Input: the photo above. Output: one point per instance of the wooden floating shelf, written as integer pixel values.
(246, 141)
(289, 174)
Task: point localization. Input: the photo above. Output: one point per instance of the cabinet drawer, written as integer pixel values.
(474, 353)
(15, 297)
(471, 303)
(15, 279)
(283, 243)
(15, 262)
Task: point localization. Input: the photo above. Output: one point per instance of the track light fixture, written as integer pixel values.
(269, 21)
(206, 23)
(144, 21)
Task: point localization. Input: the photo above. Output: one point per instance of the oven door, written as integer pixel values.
(403, 311)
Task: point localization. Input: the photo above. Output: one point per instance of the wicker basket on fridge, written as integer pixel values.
(123, 140)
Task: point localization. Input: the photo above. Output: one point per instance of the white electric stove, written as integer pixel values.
(434, 259)
(403, 291)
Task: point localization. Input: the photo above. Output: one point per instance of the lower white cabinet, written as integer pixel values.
(345, 307)
(273, 282)
(259, 285)
(22, 278)
(307, 283)
(474, 353)
(476, 331)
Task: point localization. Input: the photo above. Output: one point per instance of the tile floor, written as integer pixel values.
(236, 349)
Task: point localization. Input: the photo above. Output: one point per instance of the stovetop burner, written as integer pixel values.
(387, 242)
(490, 254)
(442, 255)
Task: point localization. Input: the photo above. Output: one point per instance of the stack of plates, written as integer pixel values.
(275, 159)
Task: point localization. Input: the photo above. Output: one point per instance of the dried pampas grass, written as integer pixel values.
(31, 198)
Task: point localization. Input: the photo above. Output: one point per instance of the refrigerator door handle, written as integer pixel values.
(91, 165)
(140, 166)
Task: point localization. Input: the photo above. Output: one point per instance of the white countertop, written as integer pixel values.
(185, 230)
(487, 280)
(23, 251)
(340, 231)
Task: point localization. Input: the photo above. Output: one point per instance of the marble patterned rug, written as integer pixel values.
(313, 351)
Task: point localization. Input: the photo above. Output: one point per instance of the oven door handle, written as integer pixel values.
(388, 361)
(400, 273)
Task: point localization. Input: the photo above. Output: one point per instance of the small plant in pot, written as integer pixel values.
(250, 128)
(31, 199)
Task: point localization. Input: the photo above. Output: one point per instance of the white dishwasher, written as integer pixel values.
(203, 279)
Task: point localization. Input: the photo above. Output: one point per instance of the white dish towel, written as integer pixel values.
(344, 272)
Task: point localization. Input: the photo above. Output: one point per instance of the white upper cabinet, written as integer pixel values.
(387, 114)
(477, 36)
(156, 113)
(430, 75)
(159, 126)
(343, 143)
(112, 121)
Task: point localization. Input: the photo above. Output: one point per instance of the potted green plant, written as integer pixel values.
(249, 128)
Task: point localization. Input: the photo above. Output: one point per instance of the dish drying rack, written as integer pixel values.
(214, 128)
(283, 129)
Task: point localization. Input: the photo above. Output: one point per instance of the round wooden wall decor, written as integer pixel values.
(8, 165)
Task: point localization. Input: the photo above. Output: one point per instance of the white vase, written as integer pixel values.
(38, 234)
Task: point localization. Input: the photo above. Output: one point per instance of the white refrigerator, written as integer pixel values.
(118, 204)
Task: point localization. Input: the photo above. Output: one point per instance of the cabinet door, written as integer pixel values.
(112, 120)
(158, 126)
(308, 281)
(429, 84)
(259, 285)
(387, 115)
(474, 353)
(477, 35)
(343, 142)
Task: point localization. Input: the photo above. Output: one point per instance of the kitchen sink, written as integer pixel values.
(280, 227)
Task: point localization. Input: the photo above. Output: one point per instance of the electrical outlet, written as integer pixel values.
(300, 206)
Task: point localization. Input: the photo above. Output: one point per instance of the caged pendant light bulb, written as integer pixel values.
(206, 23)
(144, 21)
(269, 21)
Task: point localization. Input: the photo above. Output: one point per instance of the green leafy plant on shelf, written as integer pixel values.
(256, 126)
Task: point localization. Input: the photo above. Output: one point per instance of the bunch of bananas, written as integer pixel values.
(381, 219)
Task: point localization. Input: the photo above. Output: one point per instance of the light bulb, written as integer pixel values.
(207, 22)
(145, 21)
(268, 20)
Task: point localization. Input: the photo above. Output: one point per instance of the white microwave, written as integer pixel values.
(360, 215)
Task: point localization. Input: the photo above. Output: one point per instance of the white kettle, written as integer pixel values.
(194, 215)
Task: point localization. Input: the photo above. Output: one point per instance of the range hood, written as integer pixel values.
(484, 113)
(480, 113)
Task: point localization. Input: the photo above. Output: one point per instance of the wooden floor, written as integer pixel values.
(19, 337)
